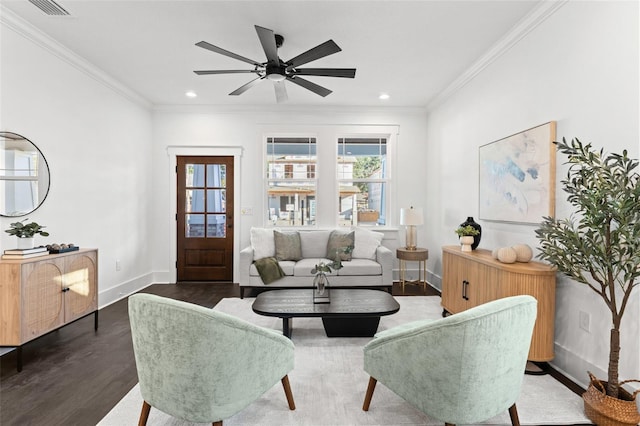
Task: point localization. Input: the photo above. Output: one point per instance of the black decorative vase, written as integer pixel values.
(475, 225)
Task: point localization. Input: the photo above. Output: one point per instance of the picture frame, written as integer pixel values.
(517, 176)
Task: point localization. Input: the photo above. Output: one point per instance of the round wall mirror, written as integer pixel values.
(24, 175)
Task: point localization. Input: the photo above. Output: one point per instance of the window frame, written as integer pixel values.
(327, 188)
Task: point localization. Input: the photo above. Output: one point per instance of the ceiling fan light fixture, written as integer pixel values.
(276, 77)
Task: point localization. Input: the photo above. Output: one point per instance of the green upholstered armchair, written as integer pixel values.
(462, 369)
(200, 365)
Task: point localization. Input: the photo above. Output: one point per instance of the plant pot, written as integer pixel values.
(466, 241)
(25, 243)
(605, 410)
(477, 227)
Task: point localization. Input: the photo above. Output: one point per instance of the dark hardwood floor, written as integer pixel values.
(74, 376)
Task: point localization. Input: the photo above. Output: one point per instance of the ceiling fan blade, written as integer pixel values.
(327, 48)
(327, 72)
(221, 51)
(240, 90)
(318, 90)
(281, 91)
(208, 72)
(268, 41)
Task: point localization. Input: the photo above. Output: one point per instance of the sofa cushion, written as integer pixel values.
(366, 243)
(360, 267)
(263, 243)
(287, 245)
(314, 243)
(342, 243)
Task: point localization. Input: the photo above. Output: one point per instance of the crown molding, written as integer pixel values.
(527, 24)
(17, 24)
(290, 109)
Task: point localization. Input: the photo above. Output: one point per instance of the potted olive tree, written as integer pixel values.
(599, 246)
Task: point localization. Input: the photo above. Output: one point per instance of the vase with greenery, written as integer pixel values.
(599, 245)
(25, 231)
(466, 234)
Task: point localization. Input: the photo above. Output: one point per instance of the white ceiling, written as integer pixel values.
(412, 50)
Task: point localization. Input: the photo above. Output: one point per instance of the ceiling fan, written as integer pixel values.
(277, 70)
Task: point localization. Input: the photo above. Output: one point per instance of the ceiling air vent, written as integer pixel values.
(50, 7)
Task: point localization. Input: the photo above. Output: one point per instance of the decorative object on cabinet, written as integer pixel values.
(467, 234)
(598, 246)
(517, 176)
(507, 255)
(411, 218)
(477, 227)
(25, 233)
(24, 175)
(473, 278)
(42, 294)
(524, 253)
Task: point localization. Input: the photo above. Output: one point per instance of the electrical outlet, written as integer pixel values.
(118, 265)
(584, 320)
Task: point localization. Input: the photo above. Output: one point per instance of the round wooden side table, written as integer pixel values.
(419, 255)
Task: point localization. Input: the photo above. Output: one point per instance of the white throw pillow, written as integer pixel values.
(263, 243)
(366, 243)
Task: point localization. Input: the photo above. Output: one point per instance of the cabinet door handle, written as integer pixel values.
(65, 289)
(465, 283)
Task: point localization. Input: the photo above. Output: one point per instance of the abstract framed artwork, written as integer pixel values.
(517, 176)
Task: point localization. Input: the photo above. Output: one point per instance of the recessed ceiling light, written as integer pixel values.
(191, 94)
(383, 96)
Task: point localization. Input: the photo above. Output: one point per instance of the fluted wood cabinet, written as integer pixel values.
(473, 278)
(41, 294)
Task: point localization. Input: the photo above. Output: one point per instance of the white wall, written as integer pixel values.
(212, 128)
(97, 144)
(579, 68)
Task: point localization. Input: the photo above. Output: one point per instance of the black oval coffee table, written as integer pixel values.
(351, 312)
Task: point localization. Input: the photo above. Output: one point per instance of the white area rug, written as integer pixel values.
(328, 383)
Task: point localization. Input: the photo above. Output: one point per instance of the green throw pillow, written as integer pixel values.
(342, 243)
(288, 245)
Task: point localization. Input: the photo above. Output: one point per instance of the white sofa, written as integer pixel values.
(370, 265)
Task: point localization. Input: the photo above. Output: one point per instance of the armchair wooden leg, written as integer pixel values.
(367, 397)
(288, 393)
(144, 414)
(217, 423)
(449, 424)
(513, 413)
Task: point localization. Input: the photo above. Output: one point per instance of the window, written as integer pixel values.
(363, 181)
(291, 178)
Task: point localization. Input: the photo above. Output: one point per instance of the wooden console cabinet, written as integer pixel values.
(41, 294)
(473, 278)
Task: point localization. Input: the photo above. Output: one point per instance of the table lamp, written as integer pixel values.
(411, 218)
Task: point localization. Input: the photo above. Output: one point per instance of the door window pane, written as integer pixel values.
(194, 175)
(194, 200)
(194, 226)
(216, 175)
(216, 225)
(216, 200)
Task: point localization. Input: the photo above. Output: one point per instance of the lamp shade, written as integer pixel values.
(411, 216)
